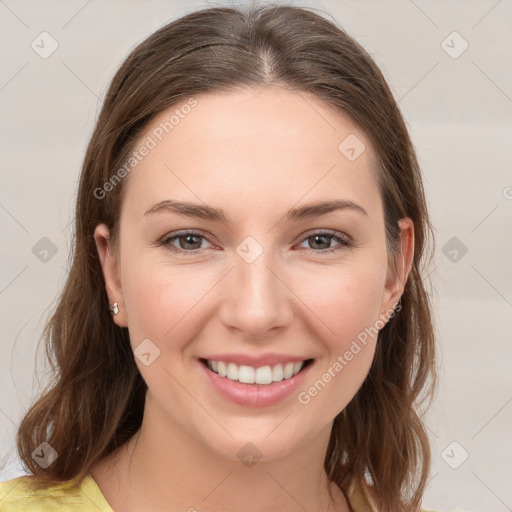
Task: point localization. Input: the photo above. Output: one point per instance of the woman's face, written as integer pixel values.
(262, 279)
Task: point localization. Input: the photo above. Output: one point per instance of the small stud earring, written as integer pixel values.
(114, 310)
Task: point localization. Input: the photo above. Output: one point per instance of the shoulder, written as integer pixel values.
(21, 494)
(360, 496)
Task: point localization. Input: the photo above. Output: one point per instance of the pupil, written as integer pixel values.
(324, 237)
(188, 242)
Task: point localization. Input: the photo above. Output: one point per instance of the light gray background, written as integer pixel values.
(459, 114)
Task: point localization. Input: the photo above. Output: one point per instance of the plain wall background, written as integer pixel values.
(459, 114)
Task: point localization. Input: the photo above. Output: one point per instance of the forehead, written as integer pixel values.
(253, 147)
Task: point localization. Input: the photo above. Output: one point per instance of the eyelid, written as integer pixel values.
(182, 232)
(307, 234)
(345, 241)
(332, 232)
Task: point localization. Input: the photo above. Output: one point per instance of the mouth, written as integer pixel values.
(257, 376)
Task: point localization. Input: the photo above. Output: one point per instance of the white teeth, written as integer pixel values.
(221, 369)
(263, 375)
(277, 372)
(288, 371)
(250, 375)
(232, 371)
(246, 374)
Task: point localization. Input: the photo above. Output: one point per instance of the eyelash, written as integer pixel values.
(345, 243)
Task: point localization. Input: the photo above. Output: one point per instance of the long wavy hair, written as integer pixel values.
(95, 400)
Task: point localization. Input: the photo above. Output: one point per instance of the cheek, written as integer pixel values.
(345, 300)
(347, 307)
(162, 299)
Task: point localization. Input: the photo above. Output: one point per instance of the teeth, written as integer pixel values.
(221, 369)
(250, 375)
(288, 371)
(263, 375)
(246, 374)
(232, 371)
(277, 372)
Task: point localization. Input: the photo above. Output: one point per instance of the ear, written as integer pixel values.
(397, 274)
(109, 260)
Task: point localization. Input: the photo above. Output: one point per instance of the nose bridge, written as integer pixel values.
(257, 299)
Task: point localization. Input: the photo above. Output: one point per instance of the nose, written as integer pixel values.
(257, 298)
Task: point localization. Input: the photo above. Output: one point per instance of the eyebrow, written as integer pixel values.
(308, 211)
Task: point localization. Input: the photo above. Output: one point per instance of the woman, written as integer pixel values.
(245, 324)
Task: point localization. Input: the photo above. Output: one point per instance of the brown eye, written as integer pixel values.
(320, 242)
(188, 242)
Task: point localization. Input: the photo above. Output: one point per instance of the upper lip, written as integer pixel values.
(256, 361)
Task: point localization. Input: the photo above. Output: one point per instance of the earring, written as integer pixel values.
(114, 310)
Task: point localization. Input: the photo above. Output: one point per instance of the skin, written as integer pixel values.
(255, 153)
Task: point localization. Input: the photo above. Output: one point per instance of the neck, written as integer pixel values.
(163, 467)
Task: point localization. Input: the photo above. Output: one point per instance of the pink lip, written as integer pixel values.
(256, 361)
(254, 395)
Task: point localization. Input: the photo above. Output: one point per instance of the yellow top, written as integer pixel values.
(17, 495)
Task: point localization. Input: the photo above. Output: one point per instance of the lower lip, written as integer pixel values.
(255, 395)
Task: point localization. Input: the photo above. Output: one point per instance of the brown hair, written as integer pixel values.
(95, 400)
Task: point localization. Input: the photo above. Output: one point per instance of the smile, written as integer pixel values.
(254, 386)
(262, 375)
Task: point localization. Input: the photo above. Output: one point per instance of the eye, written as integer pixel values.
(324, 239)
(188, 242)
